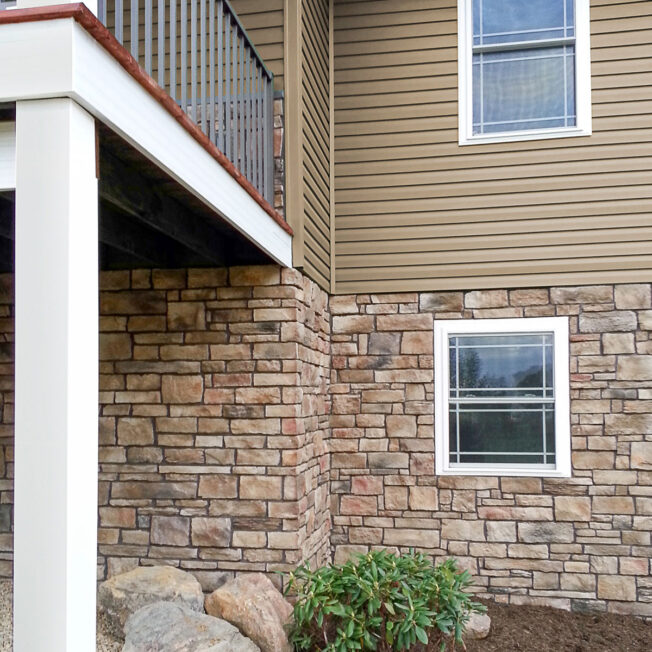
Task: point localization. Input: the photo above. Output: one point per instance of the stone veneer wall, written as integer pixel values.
(219, 451)
(581, 543)
(214, 416)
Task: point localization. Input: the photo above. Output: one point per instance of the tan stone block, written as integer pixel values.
(501, 531)
(186, 316)
(135, 432)
(641, 455)
(583, 294)
(344, 553)
(634, 296)
(396, 498)
(410, 537)
(461, 530)
(545, 581)
(218, 486)
(464, 500)
(170, 530)
(275, 351)
(358, 505)
(211, 532)
(572, 508)
(497, 550)
(486, 299)
(400, 425)
(605, 322)
(577, 582)
(345, 304)
(253, 275)
(417, 343)
(368, 535)
(528, 297)
(259, 486)
(245, 539)
(614, 477)
(613, 505)
(133, 303)
(614, 587)
(384, 343)
(618, 343)
(388, 460)
(627, 424)
(255, 426)
(206, 278)
(182, 389)
(120, 517)
(405, 322)
(284, 540)
(115, 346)
(528, 551)
(441, 301)
(634, 367)
(521, 485)
(541, 532)
(423, 499)
(593, 460)
(169, 279)
(366, 485)
(634, 566)
(353, 324)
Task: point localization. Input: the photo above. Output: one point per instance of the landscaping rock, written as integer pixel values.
(170, 627)
(478, 626)
(124, 594)
(254, 605)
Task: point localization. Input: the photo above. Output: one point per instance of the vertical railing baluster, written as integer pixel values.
(119, 21)
(184, 55)
(211, 74)
(173, 49)
(101, 11)
(234, 102)
(259, 126)
(269, 142)
(193, 58)
(160, 44)
(134, 29)
(148, 36)
(203, 109)
(227, 86)
(241, 76)
(220, 74)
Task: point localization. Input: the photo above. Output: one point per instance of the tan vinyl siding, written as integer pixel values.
(315, 112)
(415, 211)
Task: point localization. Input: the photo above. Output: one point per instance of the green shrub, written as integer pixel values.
(381, 602)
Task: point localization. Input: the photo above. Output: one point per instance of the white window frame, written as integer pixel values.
(558, 326)
(582, 82)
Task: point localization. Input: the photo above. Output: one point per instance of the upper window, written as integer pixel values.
(502, 396)
(524, 69)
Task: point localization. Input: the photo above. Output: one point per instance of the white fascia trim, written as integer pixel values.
(465, 82)
(80, 68)
(7, 155)
(559, 326)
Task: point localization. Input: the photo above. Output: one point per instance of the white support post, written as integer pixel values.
(56, 432)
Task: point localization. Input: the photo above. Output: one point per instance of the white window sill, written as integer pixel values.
(516, 136)
(495, 471)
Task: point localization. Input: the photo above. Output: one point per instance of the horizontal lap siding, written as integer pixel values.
(414, 211)
(315, 114)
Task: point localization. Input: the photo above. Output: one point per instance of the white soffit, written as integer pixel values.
(7, 155)
(80, 68)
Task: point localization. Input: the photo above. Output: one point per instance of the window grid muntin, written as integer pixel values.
(567, 41)
(547, 402)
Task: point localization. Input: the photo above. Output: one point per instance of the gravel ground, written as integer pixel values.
(105, 642)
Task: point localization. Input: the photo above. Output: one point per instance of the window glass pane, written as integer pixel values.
(509, 21)
(502, 434)
(495, 366)
(524, 89)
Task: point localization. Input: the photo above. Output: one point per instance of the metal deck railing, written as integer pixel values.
(200, 53)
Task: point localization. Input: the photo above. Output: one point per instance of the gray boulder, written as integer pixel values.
(124, 594)
(168, 627)
(478, 626)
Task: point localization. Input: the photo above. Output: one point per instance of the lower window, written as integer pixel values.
(502, 397)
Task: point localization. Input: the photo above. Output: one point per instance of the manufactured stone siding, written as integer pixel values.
(581, 543)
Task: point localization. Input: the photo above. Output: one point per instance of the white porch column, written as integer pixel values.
(56, 432)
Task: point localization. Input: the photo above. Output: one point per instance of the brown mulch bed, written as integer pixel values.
(542, 629)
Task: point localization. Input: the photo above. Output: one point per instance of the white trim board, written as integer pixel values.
(7, 156)
(80, 68)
